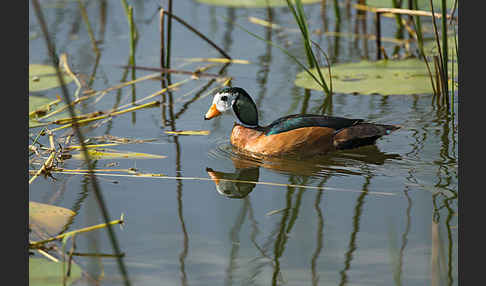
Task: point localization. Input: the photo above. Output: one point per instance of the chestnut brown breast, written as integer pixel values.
(305, 141)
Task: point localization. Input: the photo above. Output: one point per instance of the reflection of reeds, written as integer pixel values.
(356, 224)
(281, 240)
(133, 42)
(84, 14)
(96, 189)
(398, 274)
(319, 235)
(195, 31)
(235, 242)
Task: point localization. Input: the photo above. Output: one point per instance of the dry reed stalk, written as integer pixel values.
(400, 11)
(111, 114)
(74, 232)
(48, 163)
(135, 174)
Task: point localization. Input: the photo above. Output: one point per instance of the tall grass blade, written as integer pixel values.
(420, 41)
(442, 72)
(282, 49)
(299, 16)
(445, 52)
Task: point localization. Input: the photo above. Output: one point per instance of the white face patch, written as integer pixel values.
(224, 101)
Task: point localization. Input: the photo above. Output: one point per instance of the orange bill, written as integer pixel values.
(212, 112)
(213, 175)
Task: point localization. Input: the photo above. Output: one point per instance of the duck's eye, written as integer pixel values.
(224, 98)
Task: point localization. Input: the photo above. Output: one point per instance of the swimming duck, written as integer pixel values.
(301, 134)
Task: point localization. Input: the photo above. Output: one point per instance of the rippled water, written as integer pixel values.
(376, 215)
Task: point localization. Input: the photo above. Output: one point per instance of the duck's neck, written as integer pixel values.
(245, 121)
(255, 127)
(245, 111)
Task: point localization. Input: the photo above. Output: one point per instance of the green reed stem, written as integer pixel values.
(400, 26)
(445, 51)
(298, 12)
(337, 12)
(84, 15)
(420, 41)
(133, 35)
(282, 49)
(440, 71)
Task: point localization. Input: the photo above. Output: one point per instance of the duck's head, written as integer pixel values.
(237, 100)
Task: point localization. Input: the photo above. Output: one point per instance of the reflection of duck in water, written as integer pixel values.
(243, 180)
(304, 134)
(239, 184)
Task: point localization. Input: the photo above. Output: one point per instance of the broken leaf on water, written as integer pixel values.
(42, 77)
(49, 218)
(384, 77)
(40, 106)
(189, 132)
(100, 154)
(422, 5)
(43, 272)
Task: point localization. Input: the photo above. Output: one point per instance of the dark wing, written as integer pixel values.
(295, 121)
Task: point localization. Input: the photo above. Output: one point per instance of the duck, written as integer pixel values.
(297, 134)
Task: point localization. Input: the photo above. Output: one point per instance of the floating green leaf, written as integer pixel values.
(43, 272)
(423, 5)
(252, 3)
(99, 154)
(49, 218)
(42, 77)
(384, 77)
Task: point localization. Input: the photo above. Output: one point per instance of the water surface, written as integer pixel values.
(377, 215)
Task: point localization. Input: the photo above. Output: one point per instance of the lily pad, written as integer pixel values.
(49, 218)
(100, 154)
(384, 77)
(423, 5)
(43, 272)
(42, 77)
(40, 105)
(252, 3)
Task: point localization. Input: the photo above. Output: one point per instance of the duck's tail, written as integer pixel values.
(361, 134)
